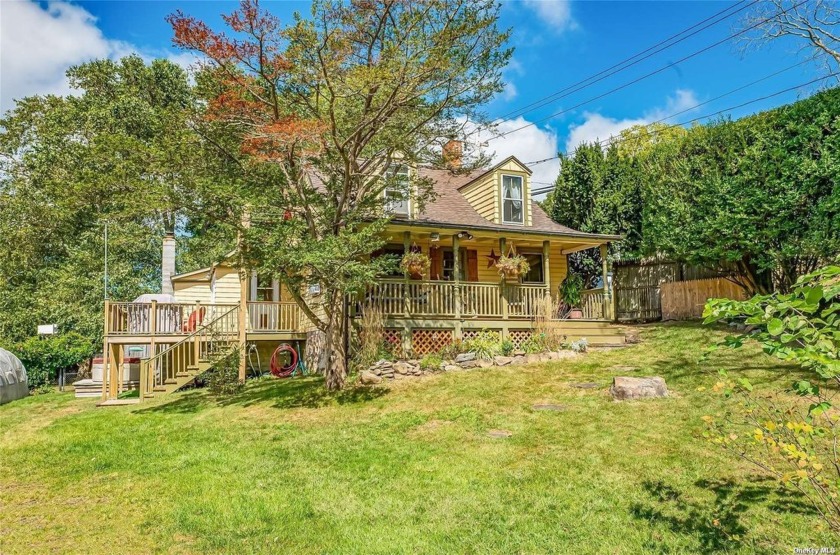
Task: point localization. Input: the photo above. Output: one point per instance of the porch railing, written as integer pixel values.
(273, 317)
(154, 318)
(593, 304)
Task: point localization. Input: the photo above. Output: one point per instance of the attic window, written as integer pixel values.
(397, 192)
(513, 211)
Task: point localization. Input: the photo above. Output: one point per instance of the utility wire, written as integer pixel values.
(652, 73)
(619, 140)
(627, 62)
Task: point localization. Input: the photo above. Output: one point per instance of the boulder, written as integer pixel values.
(502, 360)
(485, 363)
(469, 364)
(369, 378)
(518, 353)
(533, 358)
(464, 357)
(624, 387)
(632, 337)
(403, 368)
(451, 367)
(517, 360)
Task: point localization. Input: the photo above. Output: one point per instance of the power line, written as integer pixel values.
(619, 140)
(631, 61)
(652, 73)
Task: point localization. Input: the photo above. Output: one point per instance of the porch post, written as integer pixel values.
(546, 266)
(105, 351)
(243, 321)
(406, 250)
(456, 269)
(607, 301)
(503, 281)
(144, 379)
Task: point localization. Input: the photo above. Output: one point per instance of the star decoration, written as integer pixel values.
(492, 258)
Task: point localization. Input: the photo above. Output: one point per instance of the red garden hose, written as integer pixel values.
(286, 370)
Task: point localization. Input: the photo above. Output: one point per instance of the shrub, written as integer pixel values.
(432, 361)
(506, 347)
(579, 346)
(223, 379)
(454, 349)
(485, 345)
(791, 437)
(45, 358)
(369, 341)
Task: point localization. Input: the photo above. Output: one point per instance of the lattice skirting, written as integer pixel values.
(424, 342)
(466, 335)
(518, 337)
(393, 338)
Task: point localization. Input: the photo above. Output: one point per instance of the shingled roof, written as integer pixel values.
(451, 208)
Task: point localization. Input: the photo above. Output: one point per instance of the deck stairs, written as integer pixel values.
(179, 364)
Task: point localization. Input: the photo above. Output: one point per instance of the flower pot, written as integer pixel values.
(575, 314)
(511, 273)
(415, 270)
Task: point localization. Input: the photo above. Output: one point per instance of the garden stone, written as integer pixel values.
(553, 355)
(468, 364)
(376, 370)
(632, 337)
(518, 353)
(464, 357)
(502, 360)
(517, 360)
(369, 378)
(451, 367)
(531, 359)
(402, 368)
(485, 363)
(638, 388)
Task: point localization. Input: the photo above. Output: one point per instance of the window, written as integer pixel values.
(535, 273)
(449, 266)
(265, 288)
(513, 207)
(397, 191)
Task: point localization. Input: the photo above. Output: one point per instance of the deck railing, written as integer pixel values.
(593, 304)
(273, 317)
(155, 318)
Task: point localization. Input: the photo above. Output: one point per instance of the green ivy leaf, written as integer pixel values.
(775, 326)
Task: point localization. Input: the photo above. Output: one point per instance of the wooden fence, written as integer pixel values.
(682, 300)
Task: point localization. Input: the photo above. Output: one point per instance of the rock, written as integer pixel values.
(632, 337)
(517, 360)
(502, 360)
(451, 367)
(485, 363)
(403, 368)
(382, 363)
(531, 359)
(518, 353)
(499, 434)
(544, 357)
(549, 406)
(369, 378)
(468, 364)
(553, 355)
(464, 357)
(624, 387)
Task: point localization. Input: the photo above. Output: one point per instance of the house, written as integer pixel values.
(475, 218)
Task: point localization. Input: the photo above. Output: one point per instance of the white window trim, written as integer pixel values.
(502, 198)
(409, 210)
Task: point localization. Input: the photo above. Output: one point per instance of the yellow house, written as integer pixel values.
(474, 218)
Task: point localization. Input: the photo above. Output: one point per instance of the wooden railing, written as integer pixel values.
(592, 304)
(155, 318)
(273, 317)
(481, 300)
(523, 299)
(211, 340)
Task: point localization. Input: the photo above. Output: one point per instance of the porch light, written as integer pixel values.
(465, 235)
(434, 237)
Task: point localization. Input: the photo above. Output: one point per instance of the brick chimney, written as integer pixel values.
(167, 268)
(452, 153)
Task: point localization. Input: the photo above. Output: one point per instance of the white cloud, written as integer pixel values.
(38, 44)
(554, 13)
(598, 127)
(529, 145)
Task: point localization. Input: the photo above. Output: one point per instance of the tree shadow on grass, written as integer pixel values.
(717, 524)
(279, 394)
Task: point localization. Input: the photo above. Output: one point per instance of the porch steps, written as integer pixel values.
(181, 379)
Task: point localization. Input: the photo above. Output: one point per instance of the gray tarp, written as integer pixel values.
(13, 384)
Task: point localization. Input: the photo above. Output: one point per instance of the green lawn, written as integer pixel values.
(405, 469)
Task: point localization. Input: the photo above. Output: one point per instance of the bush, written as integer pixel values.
(223, 379)
(45, 358)
(432, 361)
(506, 347)
(791, 435)
(485, 345)
(579, 346)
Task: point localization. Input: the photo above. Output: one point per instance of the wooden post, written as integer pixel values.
(503, 282)
(546, 267)
(243, 322)
(606, 290)
(196, 337)
(456, 271)
(150, 364)
(105, 350)
(113, 370)
(406, 299)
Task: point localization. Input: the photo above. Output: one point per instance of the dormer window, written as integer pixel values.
(513, 207)
(398, 191)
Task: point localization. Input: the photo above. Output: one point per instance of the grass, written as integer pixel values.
(408, 468)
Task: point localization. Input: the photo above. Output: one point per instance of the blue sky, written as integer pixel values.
(557, 43)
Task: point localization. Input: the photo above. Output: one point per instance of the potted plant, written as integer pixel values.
(415, 264)
(570, 294)
(512, 266)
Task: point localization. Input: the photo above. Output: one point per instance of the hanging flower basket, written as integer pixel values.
(512, 266)
(415, 264)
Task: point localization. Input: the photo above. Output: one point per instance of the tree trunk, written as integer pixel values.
(334, 354)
